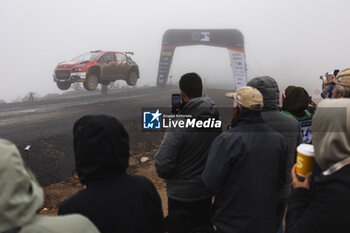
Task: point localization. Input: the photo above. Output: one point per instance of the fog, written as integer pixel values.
(293, 41)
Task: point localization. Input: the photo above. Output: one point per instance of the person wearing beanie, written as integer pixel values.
(114, 200)
(325, 206)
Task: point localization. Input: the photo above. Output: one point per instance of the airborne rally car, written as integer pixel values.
(97, 67)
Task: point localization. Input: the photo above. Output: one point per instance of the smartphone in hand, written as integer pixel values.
(175, 103)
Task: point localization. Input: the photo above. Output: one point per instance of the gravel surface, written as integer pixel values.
(47, 125)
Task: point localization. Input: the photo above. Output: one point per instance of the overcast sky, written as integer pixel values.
(294, 41)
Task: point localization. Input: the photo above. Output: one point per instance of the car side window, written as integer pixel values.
(121, 57)
(108, 57)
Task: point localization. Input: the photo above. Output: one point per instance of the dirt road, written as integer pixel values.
(47, 125)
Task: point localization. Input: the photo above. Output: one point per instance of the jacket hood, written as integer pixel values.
(269, 89)
(101, 147)
(331, 131)
(201, 107)
(21, 196)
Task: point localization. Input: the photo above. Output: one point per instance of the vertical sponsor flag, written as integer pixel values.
(237, 59)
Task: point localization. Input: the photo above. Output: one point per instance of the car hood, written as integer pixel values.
(69, 63)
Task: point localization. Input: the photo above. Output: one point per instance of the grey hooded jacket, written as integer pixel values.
(182, 155)
(21, 198)
(286, 125)
(332, 137)
(325, 206)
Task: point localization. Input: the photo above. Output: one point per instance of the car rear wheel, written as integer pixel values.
(91, 82)
(63, 85)
(132, 78)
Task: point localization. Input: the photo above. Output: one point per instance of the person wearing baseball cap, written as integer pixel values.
(246, 168)
(342, 85)
(248, 97)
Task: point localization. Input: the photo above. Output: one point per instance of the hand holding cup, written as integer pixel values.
(297, 182)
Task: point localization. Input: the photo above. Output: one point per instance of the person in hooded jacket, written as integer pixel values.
(113, 200)
(287, 126)
(182, 155)
(21, 198)
(325, 206)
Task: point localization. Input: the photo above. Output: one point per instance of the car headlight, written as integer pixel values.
(76, 69)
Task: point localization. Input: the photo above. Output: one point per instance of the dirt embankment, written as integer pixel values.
(55, 194)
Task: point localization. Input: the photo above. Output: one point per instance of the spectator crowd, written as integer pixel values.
(241, 180)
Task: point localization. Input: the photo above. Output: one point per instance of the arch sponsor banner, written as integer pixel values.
(231, 39)
(237, 59)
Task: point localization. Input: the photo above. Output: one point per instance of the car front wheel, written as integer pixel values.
(91, 82)
(63, 85)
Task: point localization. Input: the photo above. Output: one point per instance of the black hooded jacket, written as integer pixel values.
(286, 125)
(324, 208)
(113, 200)
(245, 169)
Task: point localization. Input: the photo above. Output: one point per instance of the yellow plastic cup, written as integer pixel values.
(305, 159)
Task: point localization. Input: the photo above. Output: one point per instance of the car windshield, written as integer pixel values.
(87, 57)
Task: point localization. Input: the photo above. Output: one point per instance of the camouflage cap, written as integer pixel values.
(343, 78)
(248, 97)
